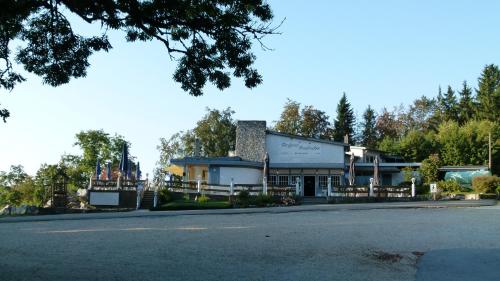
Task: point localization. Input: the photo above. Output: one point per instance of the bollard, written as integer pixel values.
(371, 188)
(297, 186)
(231, 187)
(412, 187)
(329, 191)
(138, 201)
(155, 198)
(264, 185)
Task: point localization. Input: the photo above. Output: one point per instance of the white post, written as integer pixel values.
(90, 183)
(198, 185)
(231, 186)
(138, 200)
(412, 187)
(371, 188)
(264, 185)
(155, 199)
(297, 186)
(329, 191)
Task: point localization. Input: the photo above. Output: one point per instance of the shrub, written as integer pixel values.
(450, 186)
(263, 200)
(422, 189)
(485, 184)
(203, 199)
(243, 198)
(165, 196)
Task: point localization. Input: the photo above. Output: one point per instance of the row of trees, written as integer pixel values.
(17, 187)
(455, 128)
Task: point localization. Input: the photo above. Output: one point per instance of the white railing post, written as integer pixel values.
(231, 187)
(138, 200)
(371, 188)
(329, 191)
(264, 185)
(155, 198)
(198, 186)
(297, 186)
(412, 187)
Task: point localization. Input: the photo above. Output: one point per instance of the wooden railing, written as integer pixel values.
(364, 191)
(191, 187)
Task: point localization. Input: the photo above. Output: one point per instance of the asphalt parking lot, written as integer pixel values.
(340, 244)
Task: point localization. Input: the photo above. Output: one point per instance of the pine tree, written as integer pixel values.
(466, 104)
(368, 135)
(450, 105)
(344, 123)
(488, 93)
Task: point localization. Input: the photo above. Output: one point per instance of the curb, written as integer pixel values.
(268, 210)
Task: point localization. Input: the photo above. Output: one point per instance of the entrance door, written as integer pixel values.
(309, 186)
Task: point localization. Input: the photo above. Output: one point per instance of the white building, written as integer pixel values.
(291, 158)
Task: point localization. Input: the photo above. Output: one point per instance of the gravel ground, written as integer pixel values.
(380, 244)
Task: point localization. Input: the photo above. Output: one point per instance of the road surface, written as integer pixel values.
(339, 244)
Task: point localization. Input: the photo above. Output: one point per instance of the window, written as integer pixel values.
(323, 181)
(282, 180)
(293, 179)
(273, 180)
(336, 180)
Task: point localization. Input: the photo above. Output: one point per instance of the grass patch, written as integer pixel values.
(191, 205)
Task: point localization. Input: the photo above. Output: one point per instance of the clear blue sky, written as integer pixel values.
(381, 53)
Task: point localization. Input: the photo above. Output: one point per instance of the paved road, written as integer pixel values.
(371, 244)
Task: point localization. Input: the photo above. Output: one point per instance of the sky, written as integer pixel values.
(380, 53)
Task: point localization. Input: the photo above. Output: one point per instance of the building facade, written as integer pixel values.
(292, 158)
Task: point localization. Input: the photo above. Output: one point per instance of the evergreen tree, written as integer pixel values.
(368, 135)
(344, 123)
(466, 104)
(488, 93)
(449, 105)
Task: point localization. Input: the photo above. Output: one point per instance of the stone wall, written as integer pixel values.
(251, 140)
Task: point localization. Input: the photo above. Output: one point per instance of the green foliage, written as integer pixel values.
(263, 200)
(307, 122)
(450, 186)
(369, 137)
(314, 123)
(290, 119)
(97, 144)
(466, 104)
(485, 184)
(390, 146)
(429, 169)
(202, 199)
(389, 125)
(416, 145)
(216, 132)
(407, 174)
(243, 198)
(344, 121)
(488, 93)
(206, 38)
(165, 196)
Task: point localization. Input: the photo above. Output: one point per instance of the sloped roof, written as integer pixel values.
(305, 138)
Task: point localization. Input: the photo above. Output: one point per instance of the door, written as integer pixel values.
(309, 186)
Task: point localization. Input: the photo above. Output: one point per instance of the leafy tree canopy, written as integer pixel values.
(206, 38)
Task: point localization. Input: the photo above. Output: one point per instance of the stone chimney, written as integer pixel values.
(251, 140)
